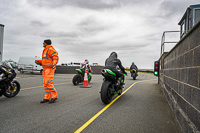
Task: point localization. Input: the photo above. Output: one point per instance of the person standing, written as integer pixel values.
(49, 60)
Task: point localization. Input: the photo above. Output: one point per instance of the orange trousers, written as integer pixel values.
(49, 89)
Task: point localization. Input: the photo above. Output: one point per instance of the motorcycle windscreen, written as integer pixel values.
(7, 65)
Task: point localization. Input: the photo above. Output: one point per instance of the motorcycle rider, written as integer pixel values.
(111, 63)
(86, 64)
(133, 66)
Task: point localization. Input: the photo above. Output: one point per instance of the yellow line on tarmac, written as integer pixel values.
(107, 106)
(43, 86)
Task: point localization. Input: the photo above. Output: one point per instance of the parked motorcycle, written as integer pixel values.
(109, 86)
(9, 87)
(79, 78)
(133, 74)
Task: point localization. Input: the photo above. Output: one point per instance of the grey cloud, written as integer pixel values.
(92, 37)
(90, 4)
(170, 7)
(96, 4)
(167, 8)
(38, 23)
(50, 34)
(90, 25)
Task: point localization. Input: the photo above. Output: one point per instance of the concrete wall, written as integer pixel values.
(71, 69)
(180, 79)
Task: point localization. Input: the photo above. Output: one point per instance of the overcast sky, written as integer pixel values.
(90, 29)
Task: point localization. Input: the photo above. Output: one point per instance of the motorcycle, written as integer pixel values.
(9, 87)
(79, 78)
(109, 86)
(133, 74)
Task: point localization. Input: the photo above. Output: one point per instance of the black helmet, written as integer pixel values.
(113, 54)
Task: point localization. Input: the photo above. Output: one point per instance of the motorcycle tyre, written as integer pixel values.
(134, 76)
(15, 93)
(104, 93)
(76, 79)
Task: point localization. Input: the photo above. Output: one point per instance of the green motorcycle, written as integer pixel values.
(79, 78)
(109, 86)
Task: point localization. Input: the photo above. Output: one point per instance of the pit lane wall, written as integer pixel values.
(71, 69)
(179, 78)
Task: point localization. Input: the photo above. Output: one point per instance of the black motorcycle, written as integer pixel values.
(109, 86)
(9, 87)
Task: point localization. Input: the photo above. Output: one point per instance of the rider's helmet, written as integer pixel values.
(133, 63)
(113, 54)
(86, 61)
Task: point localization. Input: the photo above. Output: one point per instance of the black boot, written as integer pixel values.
(52, 100)
(44, 101)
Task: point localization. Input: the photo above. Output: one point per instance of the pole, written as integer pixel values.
(1, 42)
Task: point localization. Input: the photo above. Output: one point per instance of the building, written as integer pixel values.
(189, 19)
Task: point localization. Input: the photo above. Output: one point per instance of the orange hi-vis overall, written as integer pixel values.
(49, 57)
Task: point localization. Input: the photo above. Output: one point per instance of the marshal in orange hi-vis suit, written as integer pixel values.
(49, 60)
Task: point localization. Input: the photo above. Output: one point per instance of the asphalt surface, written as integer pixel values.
(142, 109)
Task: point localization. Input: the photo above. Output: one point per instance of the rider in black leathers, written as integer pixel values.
(133, 66)
(111, 63)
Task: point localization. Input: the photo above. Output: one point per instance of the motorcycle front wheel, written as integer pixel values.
(12, 91)
(106, 95)
(76, 79)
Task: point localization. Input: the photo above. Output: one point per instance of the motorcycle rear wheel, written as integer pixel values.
(106, 95)
(12, 92)
(76, 79)
(134, 76)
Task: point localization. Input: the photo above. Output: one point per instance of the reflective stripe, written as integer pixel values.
(49, 81)
(49, 88)
(53, 53)
(47, 92)
(55, 59)
(47, 65)
(47, 52)
(46, 58)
